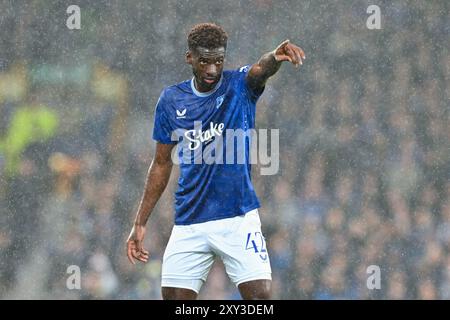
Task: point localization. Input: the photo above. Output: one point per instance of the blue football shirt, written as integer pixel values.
(209, 189)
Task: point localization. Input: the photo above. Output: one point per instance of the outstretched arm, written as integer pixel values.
(270, 62)
(157, 179)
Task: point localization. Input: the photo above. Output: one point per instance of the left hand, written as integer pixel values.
(135, 249)
(288, 51)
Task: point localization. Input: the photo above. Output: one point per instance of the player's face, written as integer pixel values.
(207, 66)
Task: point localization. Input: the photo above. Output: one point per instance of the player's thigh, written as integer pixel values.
(169, 293)
(256, 289)
(243, 250)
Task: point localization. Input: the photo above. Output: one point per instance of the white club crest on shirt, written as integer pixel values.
(181, 114)
(244, 69)
(219, 101)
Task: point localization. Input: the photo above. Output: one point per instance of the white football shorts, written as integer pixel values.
(238, 241)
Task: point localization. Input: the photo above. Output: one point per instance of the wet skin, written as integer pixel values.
(207, 66)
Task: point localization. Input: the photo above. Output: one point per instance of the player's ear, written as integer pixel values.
(188, 57)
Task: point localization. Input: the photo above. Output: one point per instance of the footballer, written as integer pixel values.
(216, 207)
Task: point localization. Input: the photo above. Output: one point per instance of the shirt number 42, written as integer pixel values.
(257, 243)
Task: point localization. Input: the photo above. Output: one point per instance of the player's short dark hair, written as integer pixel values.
(207, 35)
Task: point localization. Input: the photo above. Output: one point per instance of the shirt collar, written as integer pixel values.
(205, 94)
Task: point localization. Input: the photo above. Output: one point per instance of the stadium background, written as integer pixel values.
(364, 144)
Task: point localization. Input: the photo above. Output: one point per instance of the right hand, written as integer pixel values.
(288, 51)
(134, 245)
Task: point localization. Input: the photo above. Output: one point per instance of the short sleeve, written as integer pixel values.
(161, 129)
(253, 94)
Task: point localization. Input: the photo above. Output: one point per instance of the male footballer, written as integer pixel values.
(216, 207)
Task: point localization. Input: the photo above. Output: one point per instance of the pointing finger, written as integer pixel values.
(284, 43)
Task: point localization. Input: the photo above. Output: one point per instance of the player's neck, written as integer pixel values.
(197, 91)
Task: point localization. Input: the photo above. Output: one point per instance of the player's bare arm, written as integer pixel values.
(157, 179)
(270, 62)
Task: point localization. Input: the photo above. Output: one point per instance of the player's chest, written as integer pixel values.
(217, 109)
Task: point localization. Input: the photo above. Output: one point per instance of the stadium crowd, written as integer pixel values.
(364, 173)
